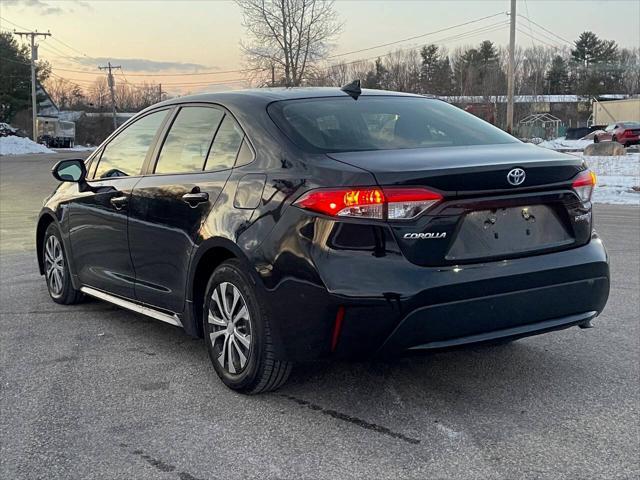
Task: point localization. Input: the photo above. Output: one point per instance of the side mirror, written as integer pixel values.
(70, 171)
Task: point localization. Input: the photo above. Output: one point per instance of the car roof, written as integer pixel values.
(264, 96)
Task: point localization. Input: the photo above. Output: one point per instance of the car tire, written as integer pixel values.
(240, 345)
(56, 269)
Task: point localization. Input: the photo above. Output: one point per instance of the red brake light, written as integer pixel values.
(584, 185)
(370, 202)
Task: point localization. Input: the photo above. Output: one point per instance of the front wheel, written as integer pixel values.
(238, 335)
(56, 269)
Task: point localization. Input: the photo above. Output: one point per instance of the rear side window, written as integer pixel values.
(187, 144)
(339, 124)
(125, 154)
(225, 146)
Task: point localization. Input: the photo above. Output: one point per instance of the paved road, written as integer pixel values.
(92, 391)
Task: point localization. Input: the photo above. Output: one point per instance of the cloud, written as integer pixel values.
(142, 64)
(46, 8)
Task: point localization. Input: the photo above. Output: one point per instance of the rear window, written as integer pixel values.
(342, 124)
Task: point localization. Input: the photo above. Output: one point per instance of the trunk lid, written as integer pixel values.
(464, 170)
(483, 217)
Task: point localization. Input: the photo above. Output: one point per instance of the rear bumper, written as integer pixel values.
(392, 305)
(509, 315)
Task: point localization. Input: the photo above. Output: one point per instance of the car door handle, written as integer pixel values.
(119, 202)
(193, 199)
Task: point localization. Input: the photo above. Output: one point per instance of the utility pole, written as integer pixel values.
(34, 57)
(273, 75)
(159, 92)
(111, 83)
(511, 72)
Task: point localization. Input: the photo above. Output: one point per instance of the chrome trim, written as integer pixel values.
(129, 305)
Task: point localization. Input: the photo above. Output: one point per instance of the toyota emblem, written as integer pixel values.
(516, 176)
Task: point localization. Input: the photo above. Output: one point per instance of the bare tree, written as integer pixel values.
(288, 35)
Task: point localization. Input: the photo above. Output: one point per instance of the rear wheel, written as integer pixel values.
(56, 269)
(237, 332)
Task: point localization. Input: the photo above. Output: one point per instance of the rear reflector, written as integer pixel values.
(337, 328)
(392, 203)
(584, 184)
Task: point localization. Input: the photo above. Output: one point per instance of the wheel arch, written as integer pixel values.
(46, 219)
(206, 258)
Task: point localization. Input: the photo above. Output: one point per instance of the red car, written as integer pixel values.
(626, 133)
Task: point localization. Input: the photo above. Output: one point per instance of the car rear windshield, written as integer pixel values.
(342, 124)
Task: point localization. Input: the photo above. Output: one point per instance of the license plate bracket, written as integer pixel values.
(508, 231)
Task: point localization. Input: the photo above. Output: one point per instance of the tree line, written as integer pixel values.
(592, 67)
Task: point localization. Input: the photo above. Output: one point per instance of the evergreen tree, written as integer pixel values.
(15, 87)
(597, 65)
(557, 77)
(15, 75)
(435, 71)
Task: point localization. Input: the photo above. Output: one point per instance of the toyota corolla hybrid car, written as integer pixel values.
(283, 225)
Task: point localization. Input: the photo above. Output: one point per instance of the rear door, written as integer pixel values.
(98, 219)
(185, 178)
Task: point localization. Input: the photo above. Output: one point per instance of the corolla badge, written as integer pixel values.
(425, 236)
(516, 176)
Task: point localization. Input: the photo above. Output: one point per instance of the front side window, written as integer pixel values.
(339, 124)
(225, 146)
(187, 144)
(124, 155)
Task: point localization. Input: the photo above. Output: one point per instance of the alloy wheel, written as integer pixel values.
(54, 265)
(229, 327)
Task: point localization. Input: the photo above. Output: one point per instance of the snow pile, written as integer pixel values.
(561, 144)
(618, 179)
(19, 146)
(77, 148)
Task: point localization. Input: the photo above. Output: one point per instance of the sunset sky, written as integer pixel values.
(162, 37)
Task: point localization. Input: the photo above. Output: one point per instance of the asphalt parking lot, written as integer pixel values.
(93, 391)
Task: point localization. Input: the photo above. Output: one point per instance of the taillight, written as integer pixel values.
(392, 203)
(584, 185)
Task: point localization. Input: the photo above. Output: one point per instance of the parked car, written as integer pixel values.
(626, 133)
(284, 225)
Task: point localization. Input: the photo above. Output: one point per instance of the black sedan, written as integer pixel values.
(291, 224)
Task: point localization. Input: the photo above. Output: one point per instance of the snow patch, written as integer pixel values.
(618, 178)
(561, 143)
(19, 146)
(77, 148)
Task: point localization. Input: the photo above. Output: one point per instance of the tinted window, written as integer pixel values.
(187, 144)
(381, 123)
(225, 145)
(125, 154)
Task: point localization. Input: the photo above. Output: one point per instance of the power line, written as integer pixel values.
(549, 31)
(524, 32)
(415, 36)
(482, 30)
(14, 24)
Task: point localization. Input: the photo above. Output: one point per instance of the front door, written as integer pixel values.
(168, 207)
(98, 218)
